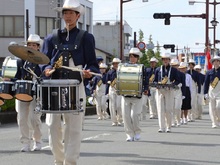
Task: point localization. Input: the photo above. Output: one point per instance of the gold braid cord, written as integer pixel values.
(151, 79)
(164, 81)
(59, 62)
(215, 82)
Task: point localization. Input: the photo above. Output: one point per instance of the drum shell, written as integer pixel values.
(9, 67)
(7, 90)
(2, 102)
(57, 96)
(25, 90)
(130, 80)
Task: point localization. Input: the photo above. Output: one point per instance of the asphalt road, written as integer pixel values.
(193, 144)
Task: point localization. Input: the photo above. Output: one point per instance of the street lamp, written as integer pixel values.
(121, 28)
(213, 22)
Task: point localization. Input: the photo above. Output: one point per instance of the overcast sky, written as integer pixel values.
(181, 31)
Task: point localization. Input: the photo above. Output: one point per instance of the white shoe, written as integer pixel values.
(99, 118)
(37, 146)
(137, 137)
(161, 130)
(119, 124)
(26, 148)
(214, 126)
(168, 130)
(114, 124)
(184, 121)
(129, 139)
(173, 125)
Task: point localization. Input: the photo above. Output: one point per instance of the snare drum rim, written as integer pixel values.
(60, 82)
(7, 82)
(25, 81)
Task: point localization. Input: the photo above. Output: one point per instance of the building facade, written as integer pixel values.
(15, 25)
(107, 36)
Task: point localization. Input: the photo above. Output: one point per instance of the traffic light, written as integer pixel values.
(165, 16)
(170, 46)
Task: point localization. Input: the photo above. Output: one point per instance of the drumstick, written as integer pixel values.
(80, 70)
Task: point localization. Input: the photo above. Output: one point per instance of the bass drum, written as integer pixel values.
(130, 80)
(9, 67)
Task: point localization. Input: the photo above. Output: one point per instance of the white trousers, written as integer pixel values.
(214, 104)
(101, 105)
(152, 102)
(70, 132)
(115, 106)
(193, 113)
(165, 101)
(131, 111)
(145, 106)
(27, 121)
(200, 101)
(176, 111)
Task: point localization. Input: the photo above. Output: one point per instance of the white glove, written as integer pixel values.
(107, 96)
(183, 97)
(206, 97)
(179, 85)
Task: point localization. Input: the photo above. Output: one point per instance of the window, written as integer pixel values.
(44, 26)
(12, 26)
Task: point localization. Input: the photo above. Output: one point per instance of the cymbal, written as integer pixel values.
(28, 54)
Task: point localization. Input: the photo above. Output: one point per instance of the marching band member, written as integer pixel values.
(66, 149)
(150, 72)
(200, 96)
(131, 106)
(179, 95)
(99, 86)
(196, 88)
(114, 99)
(186, 104)
(165, 74)
(212, 91)
(27, 119)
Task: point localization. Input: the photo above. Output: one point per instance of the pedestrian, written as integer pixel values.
(196, 89)
(99, 87)
(186, 104)
(165, 75)
(211, 91)
(131, 109)
(114, 98)
(76, 48)
(27, 119)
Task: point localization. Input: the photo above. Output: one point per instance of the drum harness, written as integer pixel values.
(63, 59)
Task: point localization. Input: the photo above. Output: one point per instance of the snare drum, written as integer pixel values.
(9, 67)
(7, 90)
(130, 80)
(25, 90)
(59, 96)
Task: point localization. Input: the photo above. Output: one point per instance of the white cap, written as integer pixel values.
(34, 38)
(174, 62)
(183, 65)
(71, 5)
(198, 67)
(153, 59)
(215, 58)
(116, 60)
(191, 61)
(103, 66)
(135, 51)
(165, 55)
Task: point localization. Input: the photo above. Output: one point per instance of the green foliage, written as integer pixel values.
(149, 53)
(9, 105)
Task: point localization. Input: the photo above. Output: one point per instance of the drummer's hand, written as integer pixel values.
(86, 74)
(47, 72)
(146, 92)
